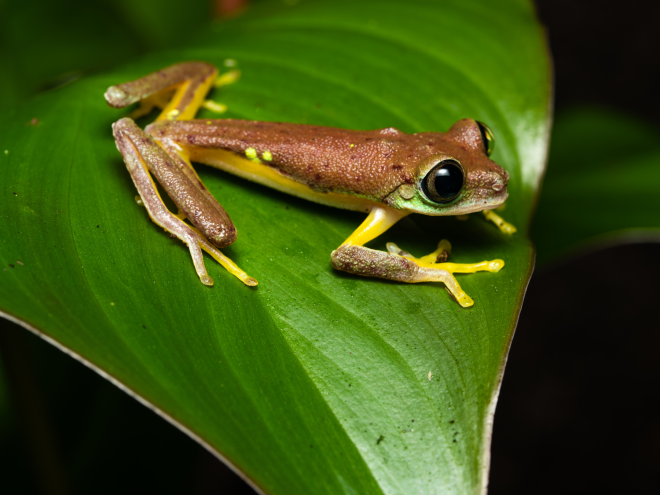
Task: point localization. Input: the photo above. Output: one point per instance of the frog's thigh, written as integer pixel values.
(124, 132)
(153, 202)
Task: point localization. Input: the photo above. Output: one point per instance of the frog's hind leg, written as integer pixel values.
(140, 154)
(400, 265)
(190, 81)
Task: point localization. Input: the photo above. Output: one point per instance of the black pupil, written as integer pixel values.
(484, 138)
(447, 182)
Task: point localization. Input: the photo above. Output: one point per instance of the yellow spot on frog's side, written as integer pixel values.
(251, 155)
(208, 121)
(267, 155)
(214, 106)
(173, 114)
(252, 169)
(351, 145)
(227, 78)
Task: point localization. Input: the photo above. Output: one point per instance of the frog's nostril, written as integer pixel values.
(498, 184)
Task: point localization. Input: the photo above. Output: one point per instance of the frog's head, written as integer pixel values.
(456, 175)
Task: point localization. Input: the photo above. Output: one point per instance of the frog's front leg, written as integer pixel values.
(399, 265)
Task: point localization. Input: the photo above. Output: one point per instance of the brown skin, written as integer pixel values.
(371, 263)
(322, 157)
(396, 173)
(196, 73)
(193, 197)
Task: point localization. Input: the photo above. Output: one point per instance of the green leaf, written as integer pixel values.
(602, 181)
(41, 42)
(316, 381)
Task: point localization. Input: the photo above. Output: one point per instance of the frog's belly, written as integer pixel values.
(268, 176)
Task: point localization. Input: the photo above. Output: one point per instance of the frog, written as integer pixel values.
(386, 173)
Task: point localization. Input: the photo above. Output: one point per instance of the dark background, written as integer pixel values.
(577, 408)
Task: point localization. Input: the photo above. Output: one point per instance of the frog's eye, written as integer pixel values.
(444, 182)
(487, 137)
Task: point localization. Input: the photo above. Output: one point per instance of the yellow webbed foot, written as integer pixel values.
(400, 265)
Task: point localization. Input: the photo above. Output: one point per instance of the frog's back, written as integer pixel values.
(370, 164)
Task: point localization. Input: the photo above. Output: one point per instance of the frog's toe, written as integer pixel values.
(395, 266)
(394, 249)
(461, 298)
(440, 255)
(495, 265)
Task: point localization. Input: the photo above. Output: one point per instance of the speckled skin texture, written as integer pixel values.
(186, 190)
(371, 263)
(122, 95)
(369, 164)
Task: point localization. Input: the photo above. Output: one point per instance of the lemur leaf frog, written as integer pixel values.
(385, 173)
